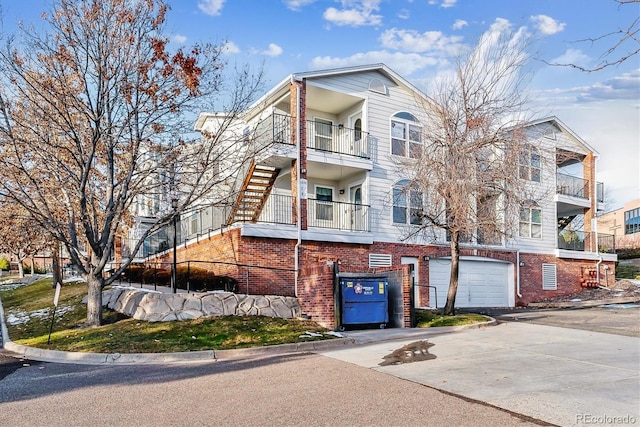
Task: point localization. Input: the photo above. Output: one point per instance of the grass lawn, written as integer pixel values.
(432, 319)
(28, 316)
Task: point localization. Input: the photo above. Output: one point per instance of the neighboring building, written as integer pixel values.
(321, 196)
(623, 224)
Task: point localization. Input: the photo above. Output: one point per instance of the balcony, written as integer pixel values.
(338, 215)
(572, 186)
(324, 136)
(585, 242)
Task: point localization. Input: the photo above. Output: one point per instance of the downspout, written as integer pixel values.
(298, 209)
(598, 272)
(518, 274)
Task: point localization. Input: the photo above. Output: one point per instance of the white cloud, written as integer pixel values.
(273, 51)
(460, 23)
(429, 41)
(403, 63)
(354, 13)
(572, 56)
(404, 14)
(230, 47)
(179, 38)
(443, 3)
(547, 25)
(624, 86)
(297, 4)
(211, 7)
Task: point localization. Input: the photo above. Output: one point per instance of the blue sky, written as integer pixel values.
(420, 38)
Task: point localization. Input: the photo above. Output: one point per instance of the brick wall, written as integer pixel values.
(569, 272)
(315, 293)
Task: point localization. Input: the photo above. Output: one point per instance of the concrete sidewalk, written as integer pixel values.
(562, 376)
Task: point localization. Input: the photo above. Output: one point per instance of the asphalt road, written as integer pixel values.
(294, 390)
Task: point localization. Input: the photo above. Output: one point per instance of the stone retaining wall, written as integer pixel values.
(159, 307)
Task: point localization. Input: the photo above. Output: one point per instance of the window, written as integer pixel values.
(323, 134)
(531, 222)
(406, 139)
(407, 203)
(324, 204)
(632, 221)
(530, 164)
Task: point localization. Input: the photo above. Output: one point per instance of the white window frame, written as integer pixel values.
(530, 164)
(327, 141)
(529, 223)
(409, 128)
(327, 205)
(406, 196)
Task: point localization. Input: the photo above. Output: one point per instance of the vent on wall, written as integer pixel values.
(376, 85)
(549, 277)
(379, 260)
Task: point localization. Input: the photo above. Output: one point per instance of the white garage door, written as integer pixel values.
(482, 283)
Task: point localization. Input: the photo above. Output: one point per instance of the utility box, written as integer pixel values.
(364, 301)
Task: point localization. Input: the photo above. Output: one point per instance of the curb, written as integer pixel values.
(43, 355)
(584, 304)
(20, 351)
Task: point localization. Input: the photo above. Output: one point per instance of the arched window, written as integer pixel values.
(406, 139)
(407, 203)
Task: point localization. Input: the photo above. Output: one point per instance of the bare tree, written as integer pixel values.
(20, 236)
(465, 182)
(94, 114)
(622, 43)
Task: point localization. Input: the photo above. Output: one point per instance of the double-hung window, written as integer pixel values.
(406, 139)
(324, 203)
(530, 164)
(407, 203)
(531, 222)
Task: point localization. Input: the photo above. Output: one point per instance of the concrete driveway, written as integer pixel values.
(619, 319)
(558, 375)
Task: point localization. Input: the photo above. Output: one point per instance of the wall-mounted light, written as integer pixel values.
(425, 258)
(303, 170)
(342, 191)
(522, 264)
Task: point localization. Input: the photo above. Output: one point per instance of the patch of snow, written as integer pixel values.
(575, 300)
(19, 317)
(335, 334)
(11, 286)
(76, 279)
(133, 288)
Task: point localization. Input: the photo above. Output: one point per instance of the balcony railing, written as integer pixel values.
(571, 186)
(275, 128)
(581, 241)
(338, 139)
(338, 215)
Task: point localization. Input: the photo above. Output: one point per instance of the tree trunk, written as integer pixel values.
(20, 268)
(449, 308)
(94, 300)
(33, 265)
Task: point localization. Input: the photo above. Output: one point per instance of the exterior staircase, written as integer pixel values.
(564, 221)
(253, 194)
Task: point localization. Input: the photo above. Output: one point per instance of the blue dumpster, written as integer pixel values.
(364, 301)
